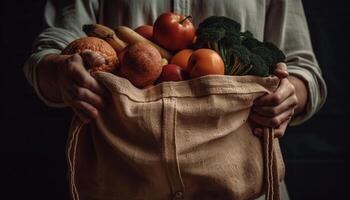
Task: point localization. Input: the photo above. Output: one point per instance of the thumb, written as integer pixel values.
(92, 59)
(281, 70)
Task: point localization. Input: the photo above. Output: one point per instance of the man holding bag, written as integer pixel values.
(62, 80)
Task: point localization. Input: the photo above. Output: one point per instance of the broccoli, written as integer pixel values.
(220, 34)
(241, 52)
(259, 67)
(220, 22)
(241, 60)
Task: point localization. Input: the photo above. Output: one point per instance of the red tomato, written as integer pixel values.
(145, 30)
(173, 31)
(172, 72)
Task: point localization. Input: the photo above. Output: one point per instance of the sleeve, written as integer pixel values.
(63, 21)
(286, 26)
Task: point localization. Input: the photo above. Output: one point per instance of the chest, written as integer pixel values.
(132, 13)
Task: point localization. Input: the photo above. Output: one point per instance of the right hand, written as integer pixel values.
(78, 88)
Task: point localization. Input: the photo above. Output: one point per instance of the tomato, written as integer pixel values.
(145, 30)
(172, 72)
(204, 62)
(173, 31)
(181, 58)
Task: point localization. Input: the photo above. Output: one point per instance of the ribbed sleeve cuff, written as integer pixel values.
(30, 71)
(316, 93)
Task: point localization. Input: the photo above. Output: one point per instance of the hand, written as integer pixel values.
(78, 88)
(276, 109)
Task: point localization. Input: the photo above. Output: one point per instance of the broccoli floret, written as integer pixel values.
(219, 22)
(265, 54)
(271, 55)
(277, 54)
(251, 43)
(259, 67)
(245, 35)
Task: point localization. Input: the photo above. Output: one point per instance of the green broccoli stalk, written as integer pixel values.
(241, 61)
(241, 52)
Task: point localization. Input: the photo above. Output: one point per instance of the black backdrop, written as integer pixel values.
(33, 164)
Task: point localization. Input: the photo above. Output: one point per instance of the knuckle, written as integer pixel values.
(71, 67)
(79, 104)
(295, 101)
(292, 88)
(273, 111)
(75, 57)
(81, 93)
(275, 99)
(82, 80)
(275, 122)
(278, 133)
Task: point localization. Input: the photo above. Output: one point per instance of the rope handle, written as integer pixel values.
(270, 166)
(71, 154)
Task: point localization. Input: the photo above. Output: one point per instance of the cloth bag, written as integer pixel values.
(177, 140)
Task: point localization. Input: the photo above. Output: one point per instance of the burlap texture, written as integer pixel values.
(178, 140)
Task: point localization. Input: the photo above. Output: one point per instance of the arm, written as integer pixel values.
(62, 80)
(302, 93)
(286, 26)
(63, 21)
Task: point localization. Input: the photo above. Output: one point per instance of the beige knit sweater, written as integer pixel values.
(279, 21)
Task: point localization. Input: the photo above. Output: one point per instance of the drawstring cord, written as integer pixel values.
(270, 166)
(72, 150)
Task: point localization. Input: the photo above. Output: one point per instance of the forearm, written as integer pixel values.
(301, 93)
(47, 76)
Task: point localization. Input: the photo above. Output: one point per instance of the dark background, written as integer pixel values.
(33, 136)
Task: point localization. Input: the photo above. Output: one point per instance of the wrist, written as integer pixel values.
(47, 76)
(301, 93)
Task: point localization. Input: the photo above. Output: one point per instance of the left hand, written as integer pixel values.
(276, 109)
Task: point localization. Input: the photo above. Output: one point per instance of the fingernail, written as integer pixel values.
(282, 73)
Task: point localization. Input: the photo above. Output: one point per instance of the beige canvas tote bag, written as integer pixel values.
(178, 140)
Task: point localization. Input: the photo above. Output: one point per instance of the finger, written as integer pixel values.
(279, 132)
(69, 100)
(271, 111)
(85, 108)
(271, 122)
(256, 128)
(83, 78)
(92, 59)
(83, 117)
(281, 70)
(88, 96)
(283, 92)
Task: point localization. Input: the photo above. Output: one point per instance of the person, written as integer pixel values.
(61, 80)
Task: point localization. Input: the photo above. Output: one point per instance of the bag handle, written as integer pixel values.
(270, 166)
(72, 151)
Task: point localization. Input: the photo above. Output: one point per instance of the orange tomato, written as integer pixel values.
(204, 62)
(181, 58)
